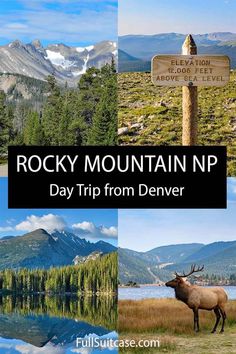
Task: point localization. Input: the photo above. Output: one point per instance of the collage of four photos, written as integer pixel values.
(120, 73)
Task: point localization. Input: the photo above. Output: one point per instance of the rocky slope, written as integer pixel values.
(18, 87)
(161, 262)
(66, 63)
(39, 249)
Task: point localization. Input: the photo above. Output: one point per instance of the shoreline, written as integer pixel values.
(163, 285)
(44, 293)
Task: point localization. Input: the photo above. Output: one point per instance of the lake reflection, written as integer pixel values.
(43, 324)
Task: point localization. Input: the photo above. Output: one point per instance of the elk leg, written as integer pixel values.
(217, 313)
(196, 320)
(223, 314)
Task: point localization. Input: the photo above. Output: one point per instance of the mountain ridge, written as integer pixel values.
(40, 249)
(144, 47)
(66, 63)
(136, 266)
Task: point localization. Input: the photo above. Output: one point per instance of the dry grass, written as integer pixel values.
(167, 316)
(167, 344)
(171, 322)
(201, 343)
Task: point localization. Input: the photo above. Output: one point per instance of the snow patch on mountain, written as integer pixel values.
(84, 69)
(55, 238)
(58, 59)
(80, 49)
(66, 63)
(89, 48)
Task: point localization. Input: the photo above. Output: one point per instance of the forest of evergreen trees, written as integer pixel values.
(86, 115)
(214, 279)
(96, 310)
(95, 276)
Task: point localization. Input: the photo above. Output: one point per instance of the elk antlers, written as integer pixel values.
(193, 270)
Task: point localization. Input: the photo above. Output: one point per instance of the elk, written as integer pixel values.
(200, 298)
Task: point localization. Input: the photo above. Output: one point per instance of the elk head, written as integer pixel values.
(178, 280)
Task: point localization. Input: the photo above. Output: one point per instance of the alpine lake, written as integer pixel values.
(56, 325)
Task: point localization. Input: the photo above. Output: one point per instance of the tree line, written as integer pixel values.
(97, 310)
(95, 276)
(86, 115)
(217, 279)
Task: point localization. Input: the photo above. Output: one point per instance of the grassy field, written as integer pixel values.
(171, 322)
(152, 115)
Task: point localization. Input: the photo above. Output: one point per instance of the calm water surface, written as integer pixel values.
(145, 292)
(50, 325)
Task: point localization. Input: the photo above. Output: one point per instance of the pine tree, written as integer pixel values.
(104, 128)
(89, 94)
(4, 126)
(52, 113)
(66, 133)
(21, 111)
(86, 98)
(33, 134)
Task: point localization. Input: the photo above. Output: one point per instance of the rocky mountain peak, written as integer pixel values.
(37, 44)
(16, 44)
(66, 63)
(41, 249)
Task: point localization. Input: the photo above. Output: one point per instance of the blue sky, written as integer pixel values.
(185, 16)
(143, 230)
(95, 224)
(73, 22)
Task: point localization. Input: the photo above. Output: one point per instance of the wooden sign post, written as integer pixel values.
(190, 101)
(190, 70)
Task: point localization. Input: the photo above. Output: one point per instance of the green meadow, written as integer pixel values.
(152, 115)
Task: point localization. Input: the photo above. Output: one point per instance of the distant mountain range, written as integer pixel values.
(136, 51)
(66, 63)
(40, 249)
(128, 63)
(159, 264)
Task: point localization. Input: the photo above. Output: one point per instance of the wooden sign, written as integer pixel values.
(190, 70)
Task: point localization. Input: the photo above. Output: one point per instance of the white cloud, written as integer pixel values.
(89, 229)
(6, 228)
(82, 350)
(110, 231)
(15, 26)
(57, 24)
(30, 349)
(49, 222)
(10, 221)
(85, 226)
